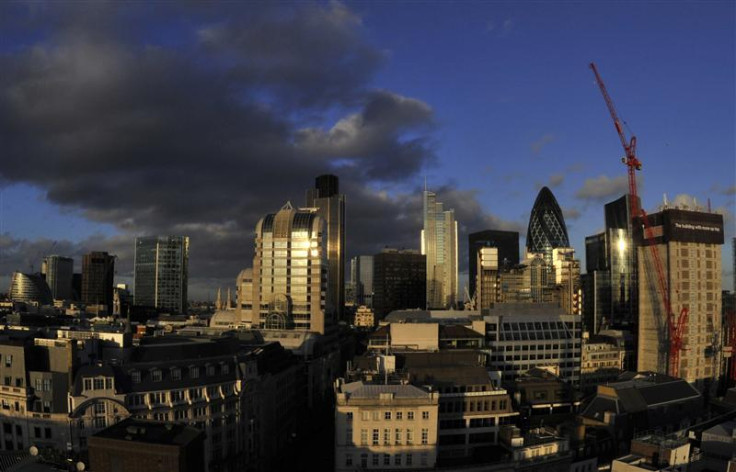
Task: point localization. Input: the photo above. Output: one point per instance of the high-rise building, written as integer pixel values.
(612, 290)
(361, 279)
(547, 228)
(98, 273)
(290, 267)
(29, 288)
(689, 246)
(507, 243)
(330, 205)
(58, 272)
(161, 272)
(439, 244)
(399, 281)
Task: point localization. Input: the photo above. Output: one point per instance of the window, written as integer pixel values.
(410, 415)
(47, 406)
(387, 437)
(363, 437)
(375, 437)
(397, 436)
(348, 460)
(409, 436)
(8, 360)
(108, 383)
(99, 408)
(194, 372)
(47, 432)
(176, 373)
(46, 385)
(375, 416)
(409, 459)
(423, 459)
(88, 384)
(397, 459)
(349, 436)
(366, 416)
(399, 415)
(387, 459)
(99, 384)
(425, 415)
(349, 416)
(210, 370)
(99, 422)
(135, 376)
(156, 375)
(36, 432)
(387, 415)
(375, 458)
(364, 460)
(425, 436)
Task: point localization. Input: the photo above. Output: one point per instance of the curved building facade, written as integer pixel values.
(547, 228)
(30, 288)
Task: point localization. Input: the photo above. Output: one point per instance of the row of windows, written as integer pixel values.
(375, 415)
(463, 406)
(176, 396)
(378, 460)
(538, 347)
(398, 437)
(175, 373)
(98, 383)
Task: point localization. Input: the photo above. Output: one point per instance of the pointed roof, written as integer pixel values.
(547, 227)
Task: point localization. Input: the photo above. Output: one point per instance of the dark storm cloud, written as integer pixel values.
(205, 136)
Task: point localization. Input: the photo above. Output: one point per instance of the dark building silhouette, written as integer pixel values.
(547, 228)
(98, 272)
(399, 281)
(507, 243)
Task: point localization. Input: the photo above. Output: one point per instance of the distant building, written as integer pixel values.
(385, 427)
(244, 292)
(547, 228)
(290, 267)
(689, 245)
(506, 243)
(539, 449)
(361, 279)
(364, 317)
(98, 274)
(399, 281)
(655, 453)
(603, 359)
(330, 204)
(58, 272)
(134, 444)
(439, 245)
(29, 288)
(162, 272)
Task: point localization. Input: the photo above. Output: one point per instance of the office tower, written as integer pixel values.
(507, 243)
(439, 244)
(330, 206)
(290, 266)
(689, 246)
(361, 279)
(58, 271)
(244, 291)
(98, 272)
(487, 292)
(547, 228)
(161, 272)
(399, 281)
(567, 279)
(29, 288)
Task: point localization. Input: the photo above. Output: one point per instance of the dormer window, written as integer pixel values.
(225, 369)
(210, 370)
(175, 373)
(194, 372)
(135, 376)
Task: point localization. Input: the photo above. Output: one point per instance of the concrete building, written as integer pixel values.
(330, 205)
(399, 281)
(161, 273)
(58, 272)
(567, 280)
(539, 449)
(654, 452)
(98, 274)
(689, 246)
(364, 317)
(603, 359)
(385, 427)
(439, 245)
(522, 336)
(136, 445)
(290, 273)
(505, 242)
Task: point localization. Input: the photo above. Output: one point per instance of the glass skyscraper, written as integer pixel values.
(547, 229)
(59, 272)
(439, 244)
(161, 272)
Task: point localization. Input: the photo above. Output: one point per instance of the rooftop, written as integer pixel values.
(151, 432)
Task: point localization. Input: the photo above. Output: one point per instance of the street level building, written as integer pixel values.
(162, 272)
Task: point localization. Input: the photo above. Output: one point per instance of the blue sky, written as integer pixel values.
(488, 101)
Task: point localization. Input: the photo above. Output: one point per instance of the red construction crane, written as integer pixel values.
(674, 328)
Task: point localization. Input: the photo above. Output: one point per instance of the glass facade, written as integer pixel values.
(439, 244)
(29, 288)
(59, 272)
(161, 272)
(547, 228)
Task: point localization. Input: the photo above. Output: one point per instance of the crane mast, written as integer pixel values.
(674, 327)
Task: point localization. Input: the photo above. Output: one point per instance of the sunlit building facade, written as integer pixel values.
(29, 288)
(439, 244)
(290, 267)
(161, 272)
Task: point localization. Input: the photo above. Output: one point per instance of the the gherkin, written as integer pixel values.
(547, 228)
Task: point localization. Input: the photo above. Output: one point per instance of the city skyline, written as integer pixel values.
(503, 105)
